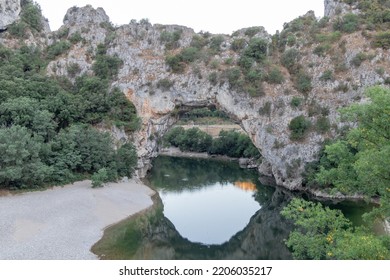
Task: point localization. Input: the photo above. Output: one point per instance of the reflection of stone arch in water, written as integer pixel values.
(262, 238)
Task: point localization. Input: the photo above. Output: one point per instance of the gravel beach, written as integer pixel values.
(63, 223)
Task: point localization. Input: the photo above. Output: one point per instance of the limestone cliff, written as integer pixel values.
(340, 66)
(338, 7)
(9, 12)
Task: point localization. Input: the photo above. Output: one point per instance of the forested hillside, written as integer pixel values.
(48, 126)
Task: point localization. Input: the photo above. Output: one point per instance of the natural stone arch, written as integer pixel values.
(156, 111)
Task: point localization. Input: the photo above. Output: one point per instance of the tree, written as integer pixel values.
(126, 160)
(99, 178)
(257, 49)
(299, 127)
(20, 164)
(323, 233)
(360, 162)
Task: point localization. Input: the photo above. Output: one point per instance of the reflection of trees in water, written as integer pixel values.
(175, 174)
(262, 238)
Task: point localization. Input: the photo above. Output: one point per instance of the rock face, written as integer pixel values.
(337, 7)
(9, 12)
(143, 52)
(143, 48)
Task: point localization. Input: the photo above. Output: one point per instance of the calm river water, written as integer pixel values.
(208, 209)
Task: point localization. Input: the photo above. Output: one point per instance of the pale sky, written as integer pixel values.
(215, 16)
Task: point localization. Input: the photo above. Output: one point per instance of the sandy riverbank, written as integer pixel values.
(65, 222)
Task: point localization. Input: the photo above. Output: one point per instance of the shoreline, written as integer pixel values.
(63, 223)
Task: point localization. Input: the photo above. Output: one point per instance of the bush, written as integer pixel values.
(348, 24)
(234, 144)
(233, 75)
(75, 38)
(171, 39)
(31, 14)
(18, 29)
(327, 76)
(99, 178)
(252, 31)
(175, 63)
(322, 125)
(296, 102)
(275, 76)
(189, 54)
(126, 160)
(322, 49)
(106, 66)
(303, 82)
(198, 42)
(328, 37)
(73, 69)
(238, 44)
(382, 40)
(215, 43)
(299, 127)
(266, 109)
(257, 49)
(358, 59)
(165, 84)
(57, 49)
(290, 60)
(213, 78)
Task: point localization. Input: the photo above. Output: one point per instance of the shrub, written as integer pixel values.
(18, 29)
(266, 109)
(299, 127)
(189, 54)
(382, 40)
(75, 38)
(252, 31)
(31, 14)
(175, 63)
(213, 78)
(99, 178)
(358, 59)
(257, 49)
(328, 37)
(171, 39)
(291, 40)
(349, 23)
(165, 84)
(327, 76)
(73, 69)
(106, 66)
(290, 60)
(296, 102)
(238, 44)
(246, 62)
(303, 82)
(233, 75)
(198, 42)
(215, 43)
(322, 49)
(322, 124)
(57, 49)
(275, 76)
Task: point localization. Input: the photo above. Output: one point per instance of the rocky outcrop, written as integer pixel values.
(265, 118)
(338, 7)
(143, 52)
(9, 12)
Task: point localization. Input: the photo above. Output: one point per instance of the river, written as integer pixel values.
(207, 209)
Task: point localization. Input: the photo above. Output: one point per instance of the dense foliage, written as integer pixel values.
(46, 124)
(230, 143)
(322, 233)
(359, 162)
